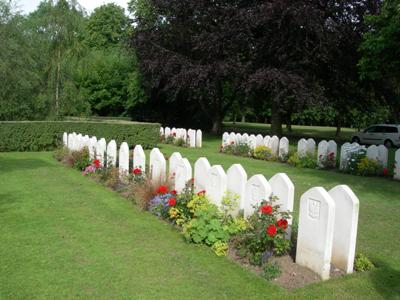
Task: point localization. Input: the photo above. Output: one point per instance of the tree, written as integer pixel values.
(190, 51)
(380, 49)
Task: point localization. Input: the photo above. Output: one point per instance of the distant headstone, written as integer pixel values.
(302, 148)
(315, 231)
(167, 132)
(322, 153)
(112, 154)
(397, 165)
(257, 189)
(373, 153)
(139, 158)
(184, 135)
(345, 230)
(123, 159)
(237, 178)
(332, 148)
(259, 140)
(173, 131)
(225, 139)
(216, 184)
(310, 146)
(92, 147)
(161, 131)
(267, 140)
(245, 138)
(157, 166)
(101, 150)
(174, 159)
(274, 143)
(199, 138)
(183, 174)
(192, 138)
(252, 141)
(65, 139)
(232, 138)
(383, 155)
(201, 168)
(86, 141)
(283, 147)
(283, 188)
(238, 138)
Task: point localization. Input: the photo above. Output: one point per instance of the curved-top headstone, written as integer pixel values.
(216, 183)
(173, 161)
(345, 231)
(302, 148)
(310, 146)
(232, 138)
(257, 190)
(383, 155)
(332, 148)
(267, 139)
(100, 150)
(139, 158)
(161, 131)
(199, 138)
(236, 184)
(167, 132)
(183, 174)
(283, 147)
(92, 147)
(225, 139)
(322, 152)
(201, 168)
(315, 231)
(123, 159)
(259, 140)
(192, 138)
(65, 139)
(283, 188)
(112, 154)
(245, 138)
(397, 165)
(157, 166)
(252, 142)
(274, 145)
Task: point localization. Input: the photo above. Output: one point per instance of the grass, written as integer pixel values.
(65, 236)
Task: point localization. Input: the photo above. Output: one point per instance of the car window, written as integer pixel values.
(390, 129)
(371, 129)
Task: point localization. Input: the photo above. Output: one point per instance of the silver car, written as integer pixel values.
(386, 134)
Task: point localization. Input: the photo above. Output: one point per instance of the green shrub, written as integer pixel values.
(239, 149)
(47, 135)
(271, 271)
(263, 152)
(81, 159)
(307, 161)
(362, 263)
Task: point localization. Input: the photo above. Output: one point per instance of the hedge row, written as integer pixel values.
(46, 135)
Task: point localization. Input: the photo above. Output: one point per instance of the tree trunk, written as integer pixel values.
(289, 122)
(276, 120)
(216, 126)
(338, 127)
(243, 118)
(58, 83)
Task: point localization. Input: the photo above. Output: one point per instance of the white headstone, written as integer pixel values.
(74, 141)
(238, 138)
(184, 134)
(183, 174)
(139, 158)
(216, 183)
(201, 168)
(257, 189)
(232, 138)
(283, 147)
(259, 140)
(78, 142)
(397, 165)
(322, 152)
(345, 229)
(315, 231)
(86, 141)
(274, 143)
(192, 138)
(167, 132)
(283, 188)
(267, 139)
(157, 166)
(173, 131)
(70, 141)
(245, 138)
(252, 141)
(310, 146)
(332, 148)
(123, 159)
(225, 139)
(92, 147)
(383, 155)
(173, 161)
(302, 148)
(344, 155)
(101, 150)
(199, 138)
(112, 154)
(161, 131)
(237, 178)
(373, 153)
(65, 139)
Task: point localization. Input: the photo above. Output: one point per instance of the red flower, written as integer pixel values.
(201, 193)
(266, 209)
(385, 171)
(232, 143)
(171, 201)
(137, 171)
(173, 192)
(282, 223)
(97, 163)
(174, 134)
(162, 190)
(271, 230)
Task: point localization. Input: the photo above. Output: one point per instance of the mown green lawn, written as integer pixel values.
(65, 236)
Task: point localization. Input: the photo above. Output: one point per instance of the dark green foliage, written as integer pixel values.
(80, 159)
(46, 135)
(271, 271)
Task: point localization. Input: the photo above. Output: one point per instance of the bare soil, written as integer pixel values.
(293, 275)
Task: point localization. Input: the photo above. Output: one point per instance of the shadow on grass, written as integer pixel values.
(386, 280)
(10, 164)
(6, 202)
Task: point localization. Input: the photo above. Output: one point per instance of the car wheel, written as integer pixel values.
(388, 144)
(355, 140)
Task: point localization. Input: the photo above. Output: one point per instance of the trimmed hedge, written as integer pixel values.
(46, 135)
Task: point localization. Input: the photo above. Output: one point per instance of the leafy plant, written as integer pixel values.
(60, 153)
(271, 271)
(239, 149)
(263, 152)
(368, 167)
(306, 161)
(327, 162)
(80, 159)
(180, 142)
(362, 263)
